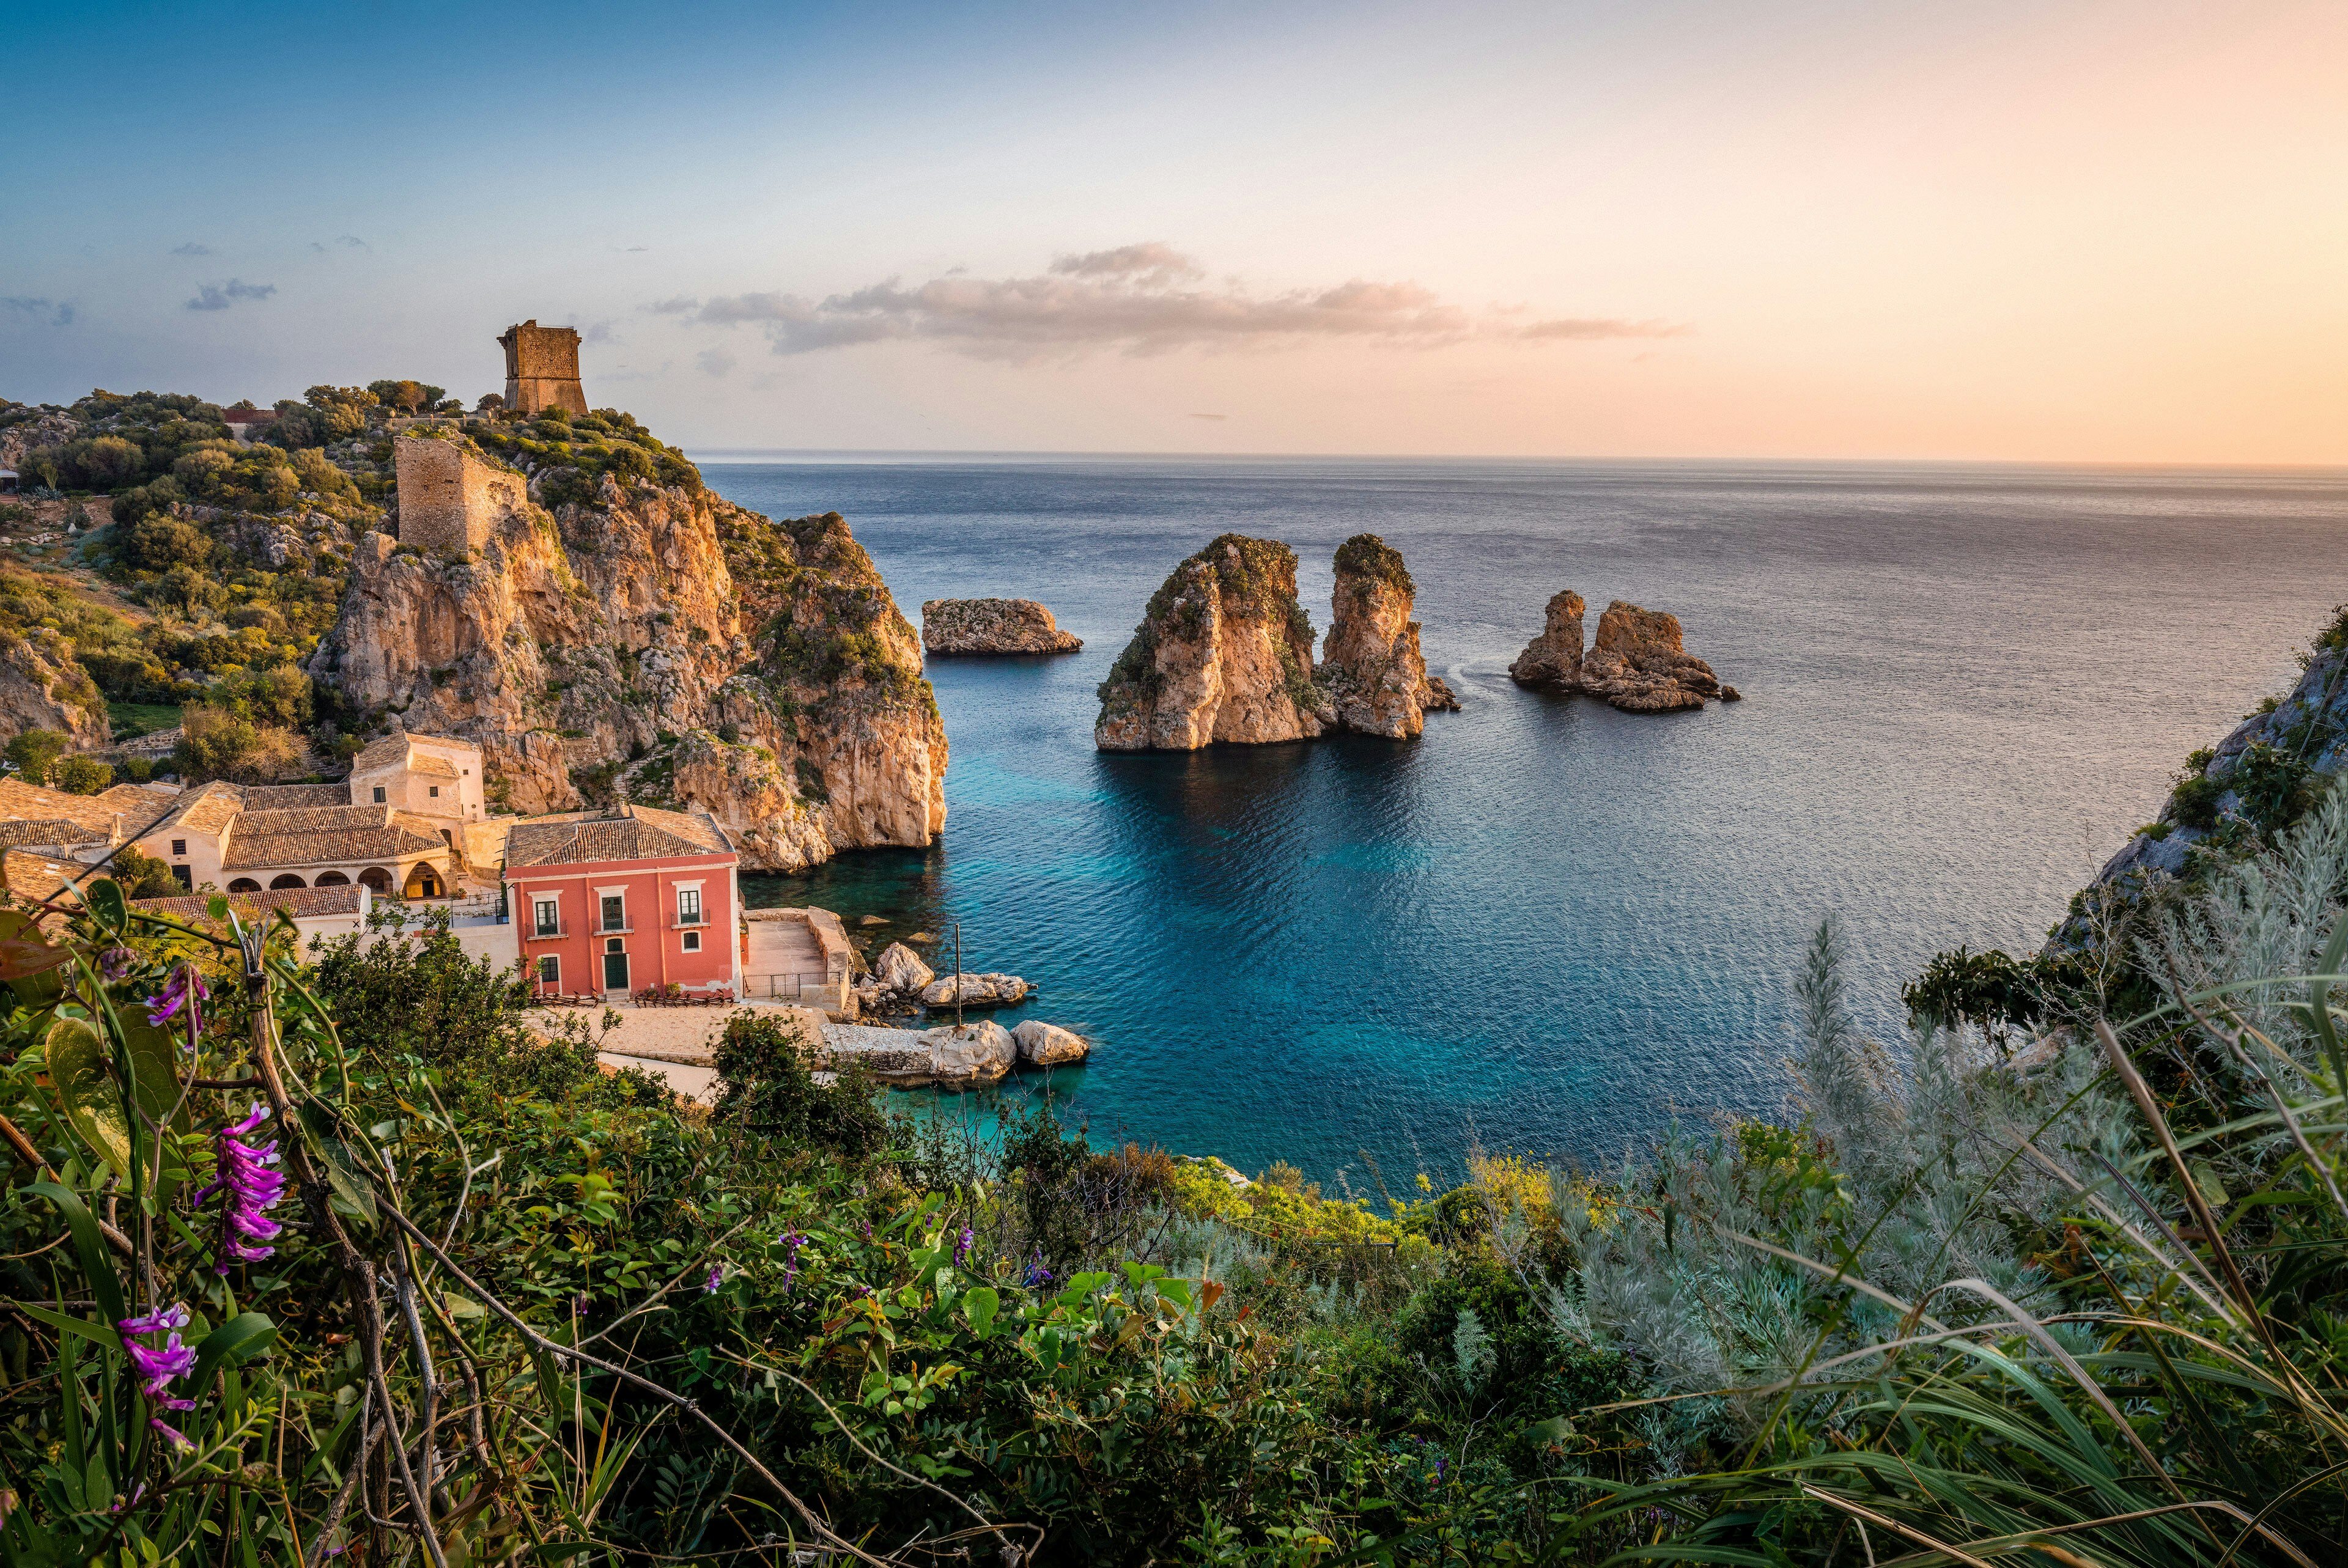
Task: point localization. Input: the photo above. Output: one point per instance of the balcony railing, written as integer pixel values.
(688, 923)
(614, 930)
(545, 933)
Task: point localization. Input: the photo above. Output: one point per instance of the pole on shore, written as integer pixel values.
(957, 974)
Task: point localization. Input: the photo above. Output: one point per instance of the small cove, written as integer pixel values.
(1548, 927)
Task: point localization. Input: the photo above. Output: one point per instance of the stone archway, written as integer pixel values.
(284, 880)
(376, 879)
(244, 885)
(423, 882)
(330, 880)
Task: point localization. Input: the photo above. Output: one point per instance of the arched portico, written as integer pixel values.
(244, 885)
(284, 880)
(330, 880)
(423, 882)
(376, 879)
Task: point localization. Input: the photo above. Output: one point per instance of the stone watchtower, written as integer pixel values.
(450, 500)
(542, 369)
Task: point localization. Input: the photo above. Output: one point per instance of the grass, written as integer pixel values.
(132, 719)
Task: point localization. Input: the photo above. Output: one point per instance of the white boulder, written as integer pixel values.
(1049, 1045)
(986, 991)
(900, 969)
(971, 1055)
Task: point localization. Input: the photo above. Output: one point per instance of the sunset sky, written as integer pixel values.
(2108, 232)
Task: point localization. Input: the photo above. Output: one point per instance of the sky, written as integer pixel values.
(2045, 231)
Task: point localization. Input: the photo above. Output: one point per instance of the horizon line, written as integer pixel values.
(722, 455)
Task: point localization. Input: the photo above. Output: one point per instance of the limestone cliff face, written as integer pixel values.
(1224, 653)
(41, 688)
(1371, 667)
(1554, 658)
(657, 640)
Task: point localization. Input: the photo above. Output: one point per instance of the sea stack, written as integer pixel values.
(1636, 663)
(1224, 653)
(1371, 667)
(961, 628)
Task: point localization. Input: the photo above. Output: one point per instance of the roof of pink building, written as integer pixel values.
(625, 833)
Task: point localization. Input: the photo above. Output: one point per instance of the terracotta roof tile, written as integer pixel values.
(296, 901)
(26, 831)
(207, 809)
(19, 800)
(632, 832)
(284, 797)
(31, 877)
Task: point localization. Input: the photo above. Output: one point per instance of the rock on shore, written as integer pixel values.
(1371, 667)
(1636, 663)
(962, 626)
(1045, 1044)
(988, 990)
(1224, 653)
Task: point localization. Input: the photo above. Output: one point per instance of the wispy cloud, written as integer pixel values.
(220, 296)
(191, 249)
(715, 362)
(49, 312)
(340, 243)
(1147, 298)
(1215, 416)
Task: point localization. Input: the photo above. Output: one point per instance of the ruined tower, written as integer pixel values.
(450, 502)
(543, 368)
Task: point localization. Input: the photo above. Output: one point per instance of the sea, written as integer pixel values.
(1547, 928)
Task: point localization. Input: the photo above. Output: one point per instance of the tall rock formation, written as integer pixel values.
(1224, 653)
(654, 639)
(1371, 667)
(1554, 658)
(42, 688)
(1636, 664)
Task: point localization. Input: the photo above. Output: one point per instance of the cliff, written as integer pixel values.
(616, 633)
(42, 688)
(1371, 667)
(1223, 653)
(1637, 661)
(981, 625)
(2253, 786)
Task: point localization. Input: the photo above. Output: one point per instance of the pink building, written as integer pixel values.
(624, 899)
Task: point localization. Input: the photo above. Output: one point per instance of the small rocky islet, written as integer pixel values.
(1637, 662)
(965, 628)
(1224, 653)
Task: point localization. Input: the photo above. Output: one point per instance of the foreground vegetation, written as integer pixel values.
(330, 1253)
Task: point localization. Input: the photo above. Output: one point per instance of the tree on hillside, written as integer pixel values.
(33, 752)
(81, 775)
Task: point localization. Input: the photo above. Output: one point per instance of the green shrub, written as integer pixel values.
(81, 775)
(33, 752)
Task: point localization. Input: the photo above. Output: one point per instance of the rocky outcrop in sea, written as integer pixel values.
(1637, 661)
(1224, 653)
(965, 627)
(1371, 668)
(630, 636)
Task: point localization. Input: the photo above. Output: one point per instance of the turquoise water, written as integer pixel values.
(1548, 927)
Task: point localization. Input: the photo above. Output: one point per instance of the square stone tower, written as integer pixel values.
(543, 368)
(450, 500)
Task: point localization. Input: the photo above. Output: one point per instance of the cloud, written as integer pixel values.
(1210, 416)
(49, 312)
(342, 242)
(714, 362)
(191, 249)
(1143, 299)
(220, 296)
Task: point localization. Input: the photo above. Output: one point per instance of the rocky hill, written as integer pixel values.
(629, 631)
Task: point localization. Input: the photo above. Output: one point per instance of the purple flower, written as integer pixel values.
(185, 987)
(242, 1172)
(171, 1433)
(716, 1277)
(792, 1241)
(865, 1226)
(962, 1245)
(115, 962)
(1037, 1275)
(158, 1365)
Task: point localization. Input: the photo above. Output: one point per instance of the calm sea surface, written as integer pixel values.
(1548, 927)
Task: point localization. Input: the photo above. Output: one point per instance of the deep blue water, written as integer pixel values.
(1548, 927)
